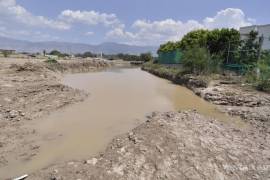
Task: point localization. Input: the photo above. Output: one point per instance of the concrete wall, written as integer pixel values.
(262, 30)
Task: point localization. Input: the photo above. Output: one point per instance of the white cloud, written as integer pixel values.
(90, 18)
(155, 32)
(233, 18)
(27, 34)
(16, 21)
(12, 13)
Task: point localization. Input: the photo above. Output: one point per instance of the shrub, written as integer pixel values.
(196, 60)
(51, 61)
(259, 75)
(263, 82)
(6, 54)
(215, 63)
(146, 57)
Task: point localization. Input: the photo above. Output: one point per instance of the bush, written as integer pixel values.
(250, 49)
(146, 57)
(196, 60)
(259, 75)
(58, 53)
(263, 82)
(6, 54)
(51, 61)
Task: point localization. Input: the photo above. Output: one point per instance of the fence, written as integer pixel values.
(171, 57)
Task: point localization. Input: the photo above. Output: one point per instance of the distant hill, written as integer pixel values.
(107, 48)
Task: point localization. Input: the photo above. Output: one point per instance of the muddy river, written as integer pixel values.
(119, 100)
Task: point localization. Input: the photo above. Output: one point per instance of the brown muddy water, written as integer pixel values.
(119, 101)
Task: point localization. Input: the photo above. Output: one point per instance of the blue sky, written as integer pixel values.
(140, 22)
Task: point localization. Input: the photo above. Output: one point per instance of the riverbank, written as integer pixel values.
(168, 145)
(228, 93)
(183, 145)
(31, 89)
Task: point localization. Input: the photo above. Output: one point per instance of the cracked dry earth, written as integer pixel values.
(175, 145)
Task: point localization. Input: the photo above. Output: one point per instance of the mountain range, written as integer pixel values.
(67, 47)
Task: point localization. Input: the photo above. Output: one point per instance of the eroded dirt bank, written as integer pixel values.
(30, 89)
(229, 95)
(173, 145)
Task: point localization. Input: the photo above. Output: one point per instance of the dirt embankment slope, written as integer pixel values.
(175, 146)
(30, 89)
(186, 145)
(229, 95)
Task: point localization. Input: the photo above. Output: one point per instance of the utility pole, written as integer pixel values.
(228, 54)
(261, 39)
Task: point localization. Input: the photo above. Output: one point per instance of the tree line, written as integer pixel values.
(145, 57)
(209, 51)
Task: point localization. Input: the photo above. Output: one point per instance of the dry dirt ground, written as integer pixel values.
(30, 89)
(240, 100)
(186, 145)
(183, 145)
(173, 145)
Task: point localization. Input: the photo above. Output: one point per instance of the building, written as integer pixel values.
(263, 30)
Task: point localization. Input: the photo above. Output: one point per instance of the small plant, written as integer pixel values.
(259, 75)
(6, 54)
(51, 61)
(263, 83)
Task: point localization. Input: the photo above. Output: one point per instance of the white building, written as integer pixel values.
(263, 30)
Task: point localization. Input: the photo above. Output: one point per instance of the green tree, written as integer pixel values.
(197, 38)
(220, 41)
(196, 60)
(146, 57)
(55, 53)
(169, 46)
(58, 53)
(88, 54)
(250, 50)
(265, 57)
(6, 54)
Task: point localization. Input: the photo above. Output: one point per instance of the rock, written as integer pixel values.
(13, 114)
(132, 138)
(71, 163)
(54, 178)
(7, 99)
(92, 161)
(55, 171)
(159, 149)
